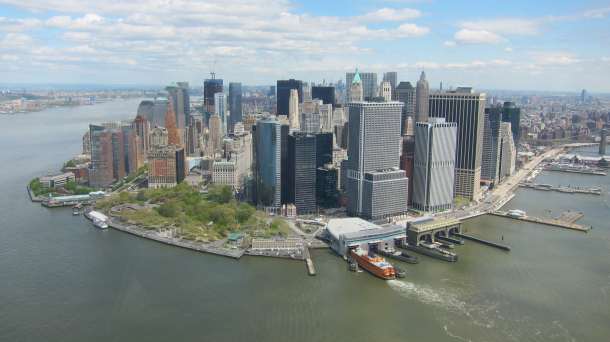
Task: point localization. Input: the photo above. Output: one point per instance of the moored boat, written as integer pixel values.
(99, 220)
(375, 265)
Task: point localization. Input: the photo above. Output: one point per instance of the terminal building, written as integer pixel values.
(350, 233)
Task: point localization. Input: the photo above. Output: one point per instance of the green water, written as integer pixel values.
(63, 280)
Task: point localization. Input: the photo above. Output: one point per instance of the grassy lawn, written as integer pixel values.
(197, 216)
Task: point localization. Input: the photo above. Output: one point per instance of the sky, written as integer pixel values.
(515, 45)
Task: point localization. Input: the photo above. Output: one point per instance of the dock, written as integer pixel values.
(450, 240)
(557, 222)
(311, 270)
(485, 242)
(562, 189)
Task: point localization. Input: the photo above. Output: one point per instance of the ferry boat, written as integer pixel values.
(99, 220)
(376, 265)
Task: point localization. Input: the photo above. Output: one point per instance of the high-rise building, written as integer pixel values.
(167, 166)
(376, 188)
(326, 117)
(142, 130)
(220, 108)
(508, 154)
(267, 158)
(173, 134)
(283, 94)
(293, 109)
(211, 86)
(214, 135)
(87, 142)
(179, 97)
(602, 141)
(422, 93)
(368, 81)
(101, 166)
(386, 91)
(434, 165)
(301, 180)
(392, 77)
(310, 116)
(158, 137)
(324, 93)
(235, 106)
(467, 109)
(490, 160)
(405, 93)
(324, 149)
(153, 111)
(327, 186)
(356, 92)
(407, 161)
(511, 113)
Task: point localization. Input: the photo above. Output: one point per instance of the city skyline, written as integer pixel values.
(512, 46)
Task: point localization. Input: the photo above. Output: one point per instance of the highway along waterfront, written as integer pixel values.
(64, 280)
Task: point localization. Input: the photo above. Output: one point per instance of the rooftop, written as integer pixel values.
(340, 226)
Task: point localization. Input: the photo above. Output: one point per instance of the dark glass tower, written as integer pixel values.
(512, 114)
(324, 93)
(283, 94)
(211, 86)
(301, 180)
(235, 107)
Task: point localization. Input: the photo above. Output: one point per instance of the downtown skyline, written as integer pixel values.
(516, 46)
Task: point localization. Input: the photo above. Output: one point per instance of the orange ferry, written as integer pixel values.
(374, 264)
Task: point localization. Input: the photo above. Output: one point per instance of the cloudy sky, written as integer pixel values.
(527, 45)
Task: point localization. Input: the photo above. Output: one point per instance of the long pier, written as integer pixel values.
(485, 242)
(550, 222)
(311, 270)
(562, 189)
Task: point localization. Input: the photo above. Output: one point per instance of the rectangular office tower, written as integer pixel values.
(301, 180)
(235, 106)
(283, 94)
(267, 140)
(490, 161)
(369, 84)
(434, 165)
(376, 188)
(467, 109)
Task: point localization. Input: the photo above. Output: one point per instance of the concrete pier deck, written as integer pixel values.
(485, 242)
(545, 221)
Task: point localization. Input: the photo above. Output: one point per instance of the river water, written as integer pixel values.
(63, 280)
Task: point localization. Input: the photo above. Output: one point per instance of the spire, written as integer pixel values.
(422, 77)
(356, 77)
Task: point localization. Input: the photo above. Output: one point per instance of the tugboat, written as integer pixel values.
(375, 265)
(398, 255)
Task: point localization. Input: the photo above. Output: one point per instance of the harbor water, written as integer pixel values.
(63, 280)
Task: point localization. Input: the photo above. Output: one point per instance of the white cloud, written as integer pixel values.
(410, 30)
(508, 49)
(507, 26)
(467, 36)
(554, 58)
(449, 43)
(390, 14)
(598, 13)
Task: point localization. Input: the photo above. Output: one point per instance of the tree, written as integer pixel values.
(244, 212)
(220, 194)
(168, 209)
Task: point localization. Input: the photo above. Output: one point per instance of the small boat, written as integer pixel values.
(399, 255)
(76, 209)
(99, 220)
(400, 273)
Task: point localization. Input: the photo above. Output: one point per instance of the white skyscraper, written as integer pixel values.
(220, 108)
(386, 91)
(293, 109)
(434, 169)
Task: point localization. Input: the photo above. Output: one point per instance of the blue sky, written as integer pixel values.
(521, 45)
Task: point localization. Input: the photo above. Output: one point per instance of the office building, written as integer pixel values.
(301, 180)
(356, 90)
(215, 135)
(283, 94)
(310, 116)
(267, 158)
(386, 91)
(327, 186)
(294, 117)
(326, 117)
(141, 127)
(368, 82)
(602, 141)
(158, 137)
(211, 86)
(376, 188)
(173, 134)
(235, 106)
(508, 153)
(167, 166)
(405, 93)
(101, 165)
(467, 109)
(324, 93)
(434, 165)
(220, 109)
(392, 77)
(511, 113)
(224, 172)
(422, 93)
(178, 95)
(490, 160)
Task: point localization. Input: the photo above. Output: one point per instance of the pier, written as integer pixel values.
(311, 270)
(562, 189)
(485, 242)
(557, 222)
(450, 240)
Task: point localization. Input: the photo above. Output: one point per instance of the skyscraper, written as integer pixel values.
(293, 109)
(434, 165)
(214, 135)
(467, 109)
(179, 97)
(511, 113)
(301, 164)
(368, 81)
(324, 93)
(376, 188)
(508, 154)
(386, 91)
(220, 108)
(267, 141)
(310, 116)
(356, 93)
(405, 93)
(392, 77)
(422, 93)
(211, 86)
(490, 160)
(602, 141)
(283, 94)
(101, 166)
(142, 129)
(235, 106)
(173, 134)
